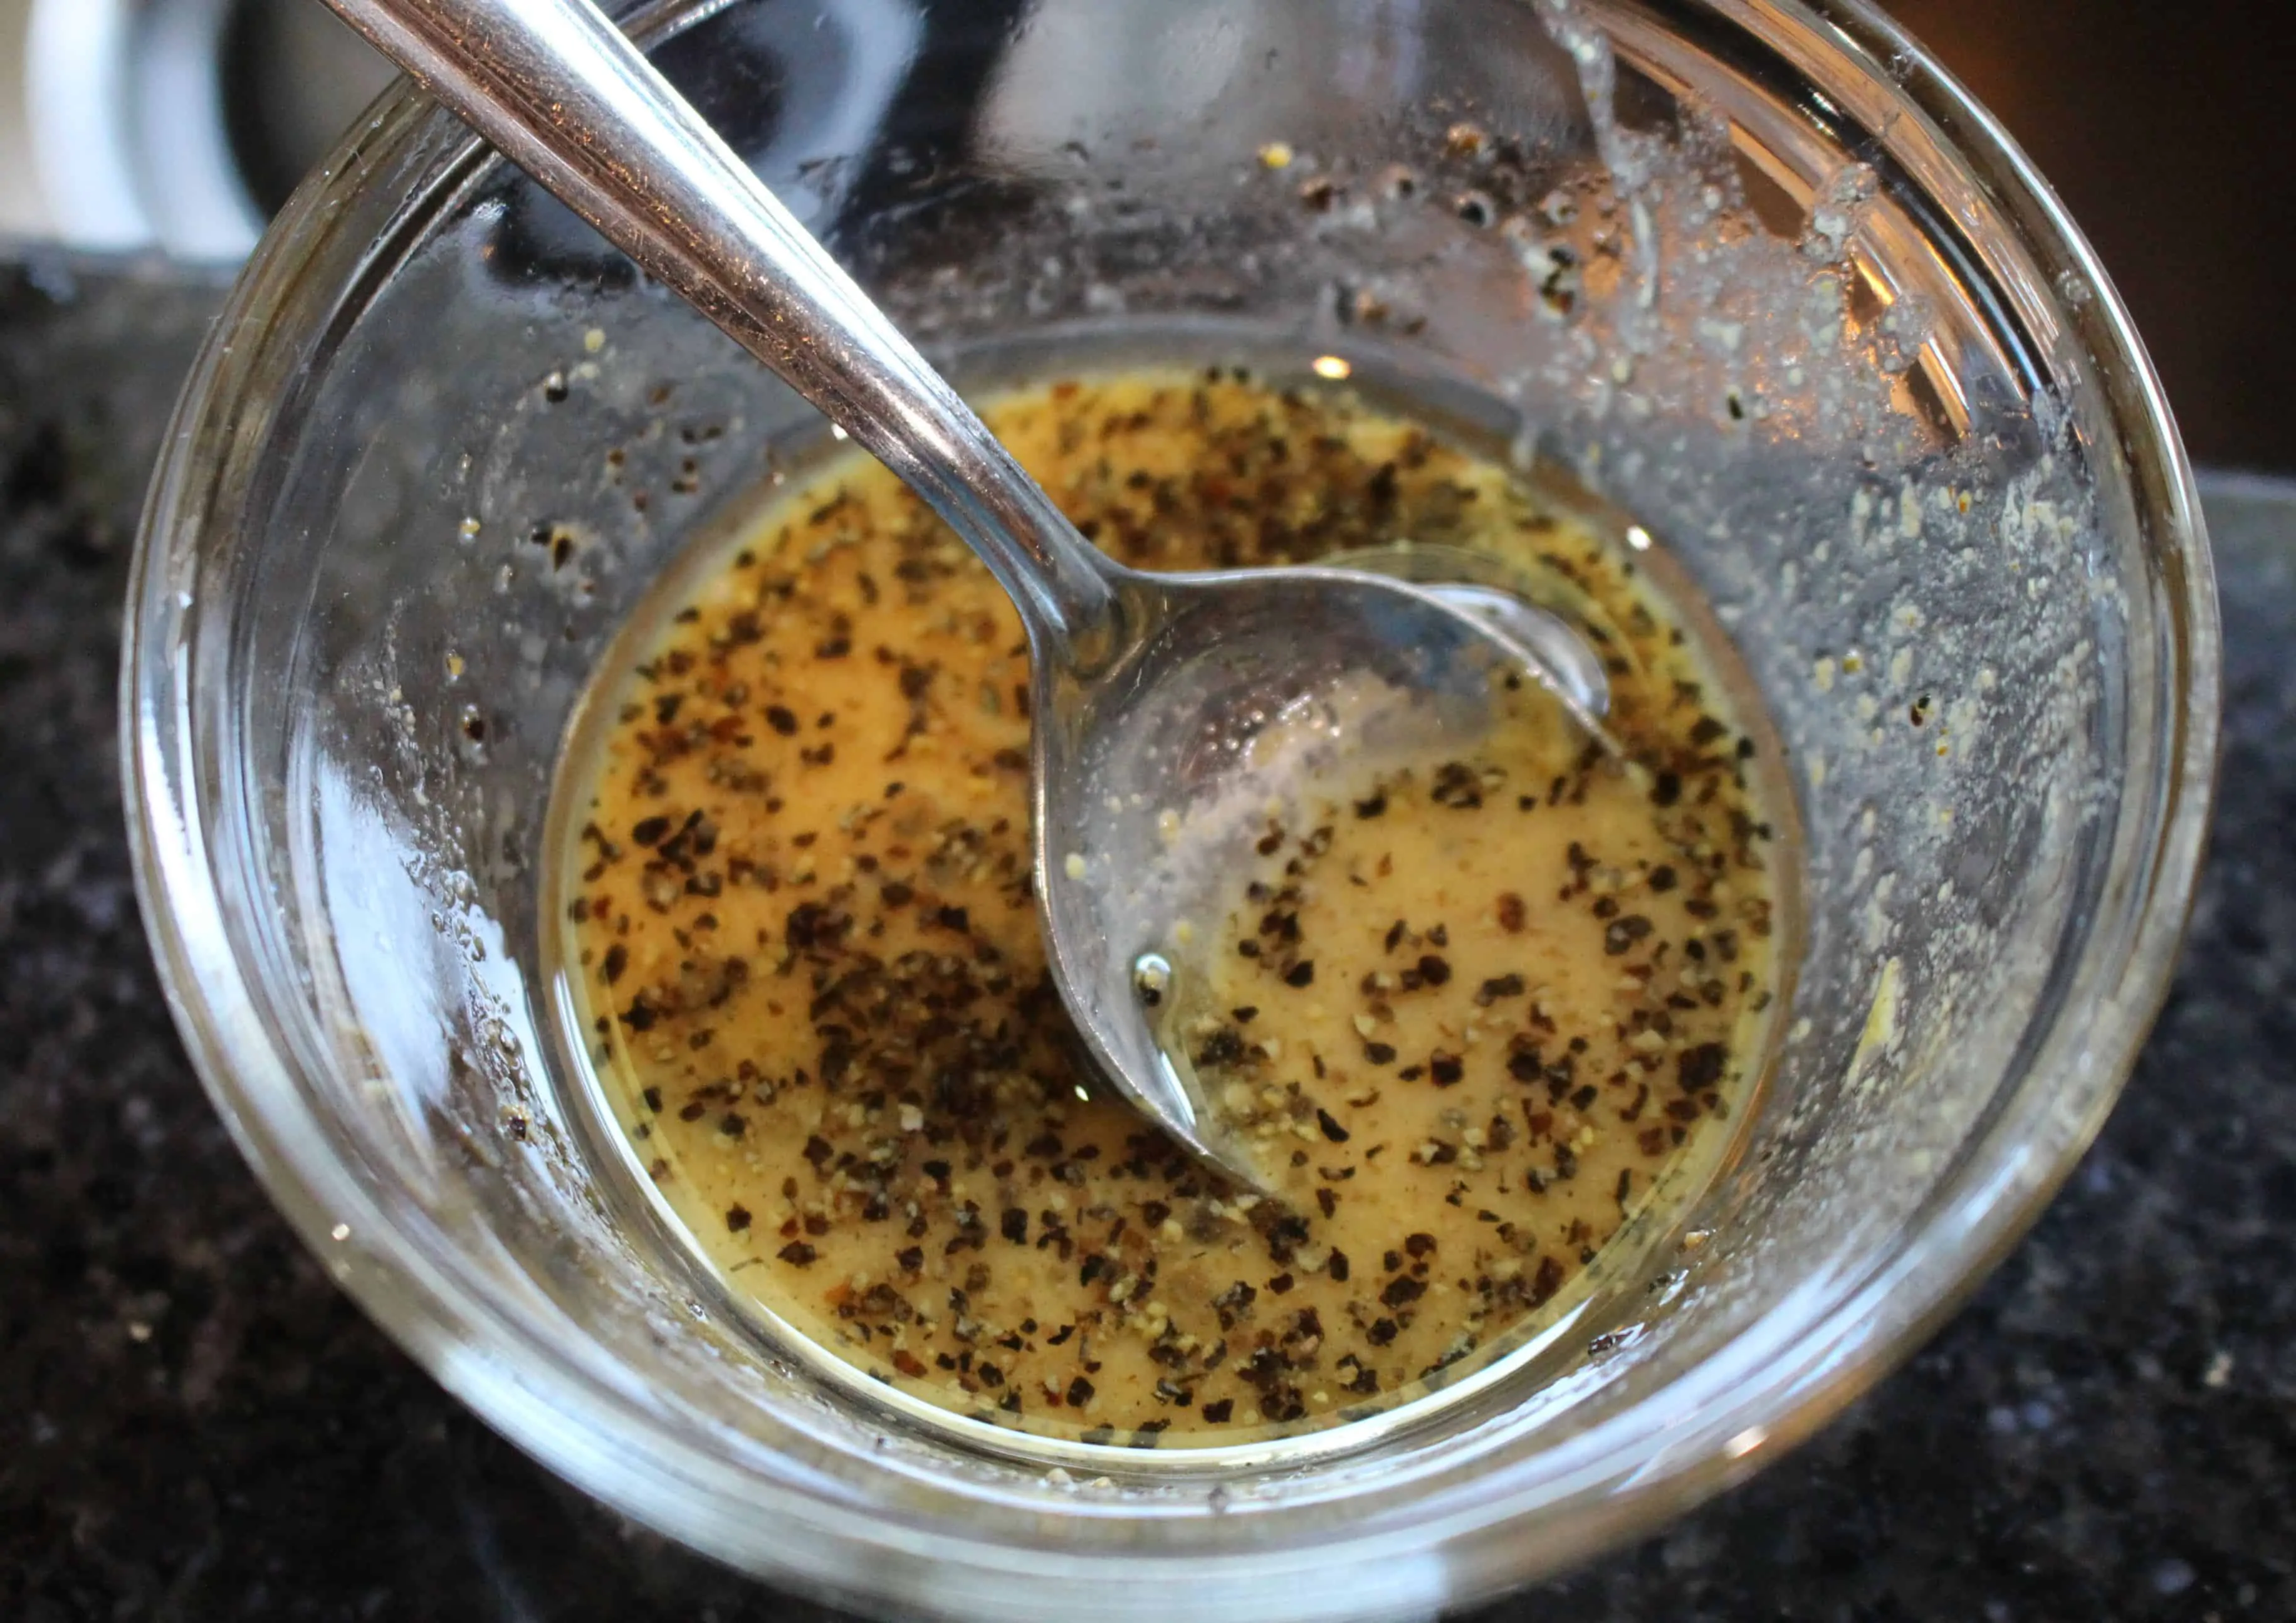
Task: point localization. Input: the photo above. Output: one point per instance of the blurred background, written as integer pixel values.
(2169, 139)
(180, 125)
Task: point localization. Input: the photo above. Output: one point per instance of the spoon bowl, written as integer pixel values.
(1503, 596)
(1230, 701)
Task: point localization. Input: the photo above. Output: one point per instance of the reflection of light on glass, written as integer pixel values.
(1332, 366)
(1638, 537)
(1739, 1447)
(838, 432)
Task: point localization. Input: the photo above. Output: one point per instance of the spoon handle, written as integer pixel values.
(557, 88)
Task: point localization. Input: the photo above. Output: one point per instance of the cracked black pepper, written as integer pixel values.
(1478, 1015)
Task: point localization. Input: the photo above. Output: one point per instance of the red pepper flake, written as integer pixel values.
(1300, 974)
(797, 1253)
(1333, 1131)
(909, 1365)
(737, 1218)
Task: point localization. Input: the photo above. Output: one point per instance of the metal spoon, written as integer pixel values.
(1170, 711)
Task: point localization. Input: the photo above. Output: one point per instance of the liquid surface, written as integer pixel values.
(1481, 1015)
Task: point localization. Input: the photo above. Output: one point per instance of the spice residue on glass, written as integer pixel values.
(1478, 1015)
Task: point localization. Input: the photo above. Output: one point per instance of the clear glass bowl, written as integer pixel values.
(1835, 348)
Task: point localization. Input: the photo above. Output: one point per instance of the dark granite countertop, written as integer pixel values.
(195, 1424)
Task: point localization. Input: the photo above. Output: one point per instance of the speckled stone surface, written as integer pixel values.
(195, 1424)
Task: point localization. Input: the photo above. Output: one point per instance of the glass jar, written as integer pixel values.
(1754, 271)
